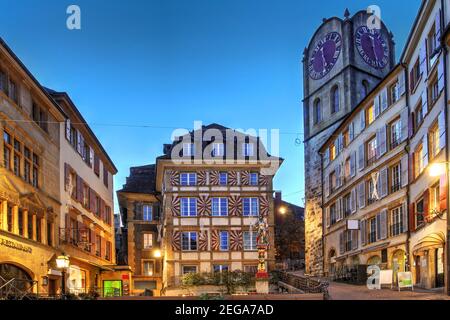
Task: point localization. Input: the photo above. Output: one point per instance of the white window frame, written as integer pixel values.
(188, 149)
(219, 207)
(188, 179)
(249, 239)
(226, 238)
(190, 246)
(253, 175)
(147, 240)
(147, 210)
(218, 149)
(189, 201)
(254, 211)
(248, 149)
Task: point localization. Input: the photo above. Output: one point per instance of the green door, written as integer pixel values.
(112, 288)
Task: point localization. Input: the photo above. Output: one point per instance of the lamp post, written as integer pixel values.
(63, 262)
(441, 169)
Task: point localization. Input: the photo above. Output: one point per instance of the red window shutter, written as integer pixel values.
(79, 189)
(443, 189)
(426, 204)
(412, 217)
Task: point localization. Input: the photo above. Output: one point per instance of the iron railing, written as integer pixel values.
(17, 289)
(306, 284)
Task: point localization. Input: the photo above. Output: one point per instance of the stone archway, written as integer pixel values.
(374, 261)
(23, 279)
(331, 262)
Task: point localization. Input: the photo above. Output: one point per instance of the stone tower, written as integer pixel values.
(344, 61)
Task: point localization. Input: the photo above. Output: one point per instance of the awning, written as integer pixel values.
(105, 268)
(431, 241)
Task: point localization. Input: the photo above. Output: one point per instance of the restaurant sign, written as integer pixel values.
(15, 245)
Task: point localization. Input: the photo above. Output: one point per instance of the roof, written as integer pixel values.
(36, 82)
(413, 28)
(66, 96)
(141, 180)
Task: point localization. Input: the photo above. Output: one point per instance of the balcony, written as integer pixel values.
(76, 237)
(370, 161)
(395, 143)
(396, 187)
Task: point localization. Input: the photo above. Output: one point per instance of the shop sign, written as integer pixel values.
(15, 245)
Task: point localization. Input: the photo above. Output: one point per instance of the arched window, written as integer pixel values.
(317, 111)
(364, 89)
(335, 99)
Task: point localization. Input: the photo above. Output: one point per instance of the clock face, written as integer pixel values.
(324, 56)
(372, 47)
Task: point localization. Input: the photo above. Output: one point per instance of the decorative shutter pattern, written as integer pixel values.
(245, 178)
(175, 208)
(204, 206)
(236, 240)
(201, 178)
(176, 241)
(233, 178)
(384, 182)
(215, 240)
(442, 132)
(264, 180)
(234, 206)
(443, 189)
(174, 178)
(214, 178)
(203, 241)
(264, 206)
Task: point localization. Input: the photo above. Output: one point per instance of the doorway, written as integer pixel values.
(398, 263)
(439, 267)
(52, 287)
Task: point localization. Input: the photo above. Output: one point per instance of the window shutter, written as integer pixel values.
(438, 26)
(404, 124)
(381, 142)
(361, 195)
(377, 106)
(79, 137)
(425, 150)
(401, 83)
(411, 125)
(383, 224)
(384, 182)
(351, 131)
(405, 216)
(441, 78)
(91, 156)
(426, 204)
(404, 170)
(96, 164)
(424, 103)
(363, 232)
(66, 227)
(412, 84)
(353, 164)
(384, 99)
(412, 217)
(337, 146)
(423, 58)
(338, 175)
(361, 157)
(442, 132)
(327, 215)
(354, 239)
(68, 129)
(66, 176)
(341, 243)
(362, 121)
(443, 189)
(326, 186)
(338, 209)
(353, 200)
(79, 189)
(92, 232)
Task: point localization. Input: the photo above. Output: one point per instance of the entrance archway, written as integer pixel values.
(374, 261)
(332, 262)
(22, 279)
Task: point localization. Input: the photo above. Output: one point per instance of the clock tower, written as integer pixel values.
(343, 62)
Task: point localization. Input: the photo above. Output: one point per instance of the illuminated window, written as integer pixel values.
(370, 114)
(434, 141)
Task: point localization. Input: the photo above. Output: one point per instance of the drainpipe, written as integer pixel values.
(447, 154)
(324, 218)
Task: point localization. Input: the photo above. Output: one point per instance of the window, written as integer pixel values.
(333, 152)
(347, 168)
(28, 164)
(13, 92)
(148, 240)
(218, 150)
(250, 207)
(220, 207)
(395, 133)
(188, 149)
(371, 151)
(418, 114)
(434, 90)
(333, 181)
(396, 221)
(251, 269)
(433, 138)
(253, 179)
(370, 114)
(108, 250)
(220, 268)
(418, 160)
(223, 178)
(394, 93)
(433, 43)
(39, 229)
(35, 170)
(420, 212)
(249, 241)
(333, 214)
(189, 269)
(17, 157)
(372, 230)
(148, 268)
(364, 89)
(147, 212)
(347, 202)
(7, 150)
(435, 199)
(188, 207)
(9, 217)
(40, 116)
(371, 189)
(335, 99)
(189, 241)
(396, 173)
(105, 176)
(224, 240)
(248, 149)
(188, 179)
(415, 75)
(348, 240)
(317, 111)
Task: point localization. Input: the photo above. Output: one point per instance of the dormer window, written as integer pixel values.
(188, 149)
(248, 149)
(218, 150)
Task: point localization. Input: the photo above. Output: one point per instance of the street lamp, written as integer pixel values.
(157, 253)
(437, 169)
(63, 262)
(282, 210)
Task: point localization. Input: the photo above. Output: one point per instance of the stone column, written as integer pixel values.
(3, 215)
(43, 230)
(25, 222)
(33, 232)
(15, 222)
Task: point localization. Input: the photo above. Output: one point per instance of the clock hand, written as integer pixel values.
(325, 64)
(373, 47)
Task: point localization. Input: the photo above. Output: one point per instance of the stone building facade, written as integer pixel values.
(339, 70)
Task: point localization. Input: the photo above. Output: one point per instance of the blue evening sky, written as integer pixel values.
(138, 69)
